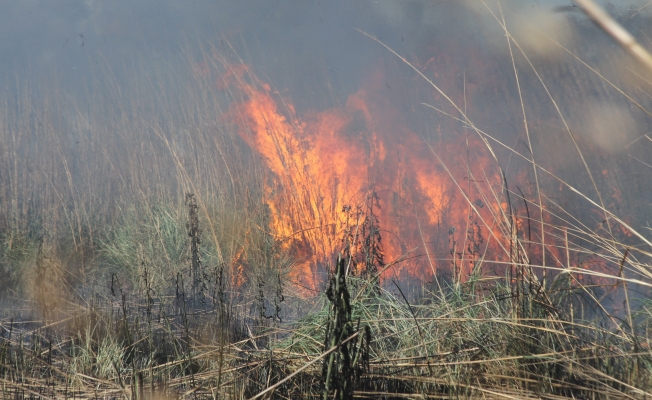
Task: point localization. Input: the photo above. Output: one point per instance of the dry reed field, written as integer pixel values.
(221, 242)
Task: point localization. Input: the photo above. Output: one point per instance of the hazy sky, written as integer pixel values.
(312, 50)
(65, 36)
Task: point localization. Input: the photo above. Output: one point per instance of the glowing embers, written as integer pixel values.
(323, 161)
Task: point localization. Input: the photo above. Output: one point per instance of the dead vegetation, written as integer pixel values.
(176, 288)
(200, 337)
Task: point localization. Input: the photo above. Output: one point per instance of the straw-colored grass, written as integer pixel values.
(99, 300)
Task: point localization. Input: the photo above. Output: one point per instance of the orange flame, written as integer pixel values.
(325, 160)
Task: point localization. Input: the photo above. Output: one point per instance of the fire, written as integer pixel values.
(325, 160)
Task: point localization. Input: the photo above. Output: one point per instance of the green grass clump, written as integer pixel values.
(458, 341)
(154, 236)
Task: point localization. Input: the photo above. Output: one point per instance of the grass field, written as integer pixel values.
(137, 260)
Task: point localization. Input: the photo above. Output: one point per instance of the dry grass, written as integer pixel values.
(100, 298)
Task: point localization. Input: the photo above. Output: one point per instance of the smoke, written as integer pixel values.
(312, 54)
(613, 128)
(71, 39)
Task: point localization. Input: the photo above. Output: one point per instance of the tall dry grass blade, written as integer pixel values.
(617, 31)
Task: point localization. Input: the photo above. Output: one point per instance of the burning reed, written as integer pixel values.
(196, 255)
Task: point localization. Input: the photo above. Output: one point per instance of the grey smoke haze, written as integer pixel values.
(63, 37)
(311, 51)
